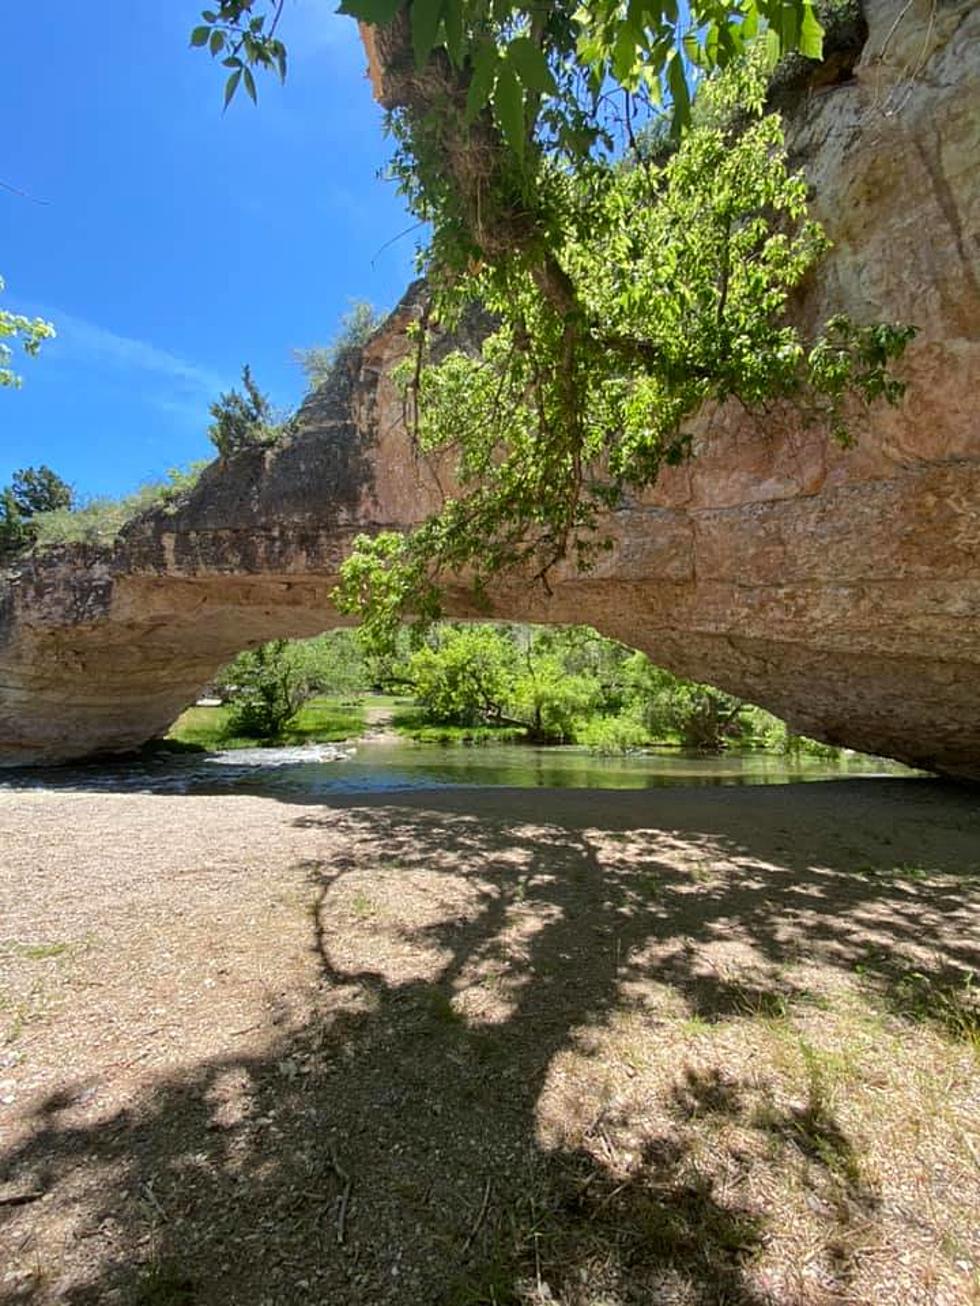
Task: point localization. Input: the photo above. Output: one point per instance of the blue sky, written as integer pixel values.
(175, 243)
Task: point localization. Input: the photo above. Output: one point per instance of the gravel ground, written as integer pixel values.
(491, 1046)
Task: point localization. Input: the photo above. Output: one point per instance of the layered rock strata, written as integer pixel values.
(839, 589)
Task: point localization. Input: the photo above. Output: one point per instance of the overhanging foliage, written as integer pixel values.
(629, 285)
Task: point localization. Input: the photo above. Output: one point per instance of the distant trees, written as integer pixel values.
(571, 685)
(551, 697)
(562, 685)
(555, 685)
(33, 490)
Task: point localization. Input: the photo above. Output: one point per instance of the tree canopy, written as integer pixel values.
(32, 491)
(604, 181)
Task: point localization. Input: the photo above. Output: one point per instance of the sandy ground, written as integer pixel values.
(528, 1046)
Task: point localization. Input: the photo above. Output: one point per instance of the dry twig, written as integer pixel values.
(344, 1200)
(481, 1216)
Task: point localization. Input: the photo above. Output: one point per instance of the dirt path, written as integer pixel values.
(492, 1046)
(377, 726)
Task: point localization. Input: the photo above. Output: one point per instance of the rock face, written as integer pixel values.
(839, 589)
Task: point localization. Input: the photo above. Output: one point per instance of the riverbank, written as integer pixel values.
(491, 1046)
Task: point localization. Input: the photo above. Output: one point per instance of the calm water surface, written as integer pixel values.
(320, 770)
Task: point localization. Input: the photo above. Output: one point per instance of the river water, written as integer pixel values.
(315, 771)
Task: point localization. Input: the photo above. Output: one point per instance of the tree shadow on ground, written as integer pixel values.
(387, 1146)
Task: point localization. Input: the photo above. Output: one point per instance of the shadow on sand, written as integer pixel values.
(386, 1148)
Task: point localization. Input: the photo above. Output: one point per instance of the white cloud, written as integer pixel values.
(78, 339)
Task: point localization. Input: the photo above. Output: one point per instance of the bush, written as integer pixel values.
(266, 688)
(551, 700)
(612, 734)
(465, 676)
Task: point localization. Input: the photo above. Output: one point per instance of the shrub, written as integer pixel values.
(243, 420)
(100, 520)
(612, 734)
(266, 687)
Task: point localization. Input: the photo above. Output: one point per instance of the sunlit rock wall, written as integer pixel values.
(839, 589)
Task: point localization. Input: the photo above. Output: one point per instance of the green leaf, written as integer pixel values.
(508, 109)
(425, 17)
(624, 55)
(651, 81)
(789, 25)
(711, 39)
(481, 83)
(374, 12)
(250, 85)
(452, 19)
(531, 66)
(811, 35)
(217, 41)
(692, 48)
(231, 86)
(591, 48)
(681, 96)
(773, 48)
(200, 35)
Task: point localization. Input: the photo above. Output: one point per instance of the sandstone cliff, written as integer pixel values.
(841, 590)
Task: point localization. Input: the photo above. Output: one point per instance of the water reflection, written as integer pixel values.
(321, 770)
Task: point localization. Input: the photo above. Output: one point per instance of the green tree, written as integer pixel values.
(39, 489)
(707, 718)
(626, 290)
(356, 328)
(242, 419)
(464, 675)
(29, 331)
(32, 491)
(551, 700)
(338, 664)
(266, 687)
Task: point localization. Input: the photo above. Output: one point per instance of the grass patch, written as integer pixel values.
(206, 727)
(164, 1284)
(41, 951)
(411, 721)
(362, 906)
(34, 951)
(320, 721)
(387, 702)
(952, 1007)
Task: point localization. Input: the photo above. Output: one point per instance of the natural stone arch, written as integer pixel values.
(840, 590)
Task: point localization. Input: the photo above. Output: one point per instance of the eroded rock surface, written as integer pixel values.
(841, 590)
